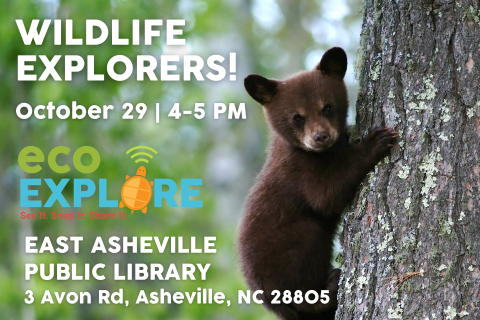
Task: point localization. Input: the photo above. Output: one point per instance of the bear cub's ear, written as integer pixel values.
(334, 63)
(261, 89)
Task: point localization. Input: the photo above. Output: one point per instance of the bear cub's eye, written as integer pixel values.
(327, 109)
(298, 119)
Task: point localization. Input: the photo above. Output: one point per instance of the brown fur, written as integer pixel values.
(293, 211)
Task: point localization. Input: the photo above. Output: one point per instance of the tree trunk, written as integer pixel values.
(412, 237)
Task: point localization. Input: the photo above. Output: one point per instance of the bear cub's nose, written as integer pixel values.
(321, 137)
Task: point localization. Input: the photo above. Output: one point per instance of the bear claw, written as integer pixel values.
(380, 140)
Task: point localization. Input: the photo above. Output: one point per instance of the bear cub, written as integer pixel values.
(311, 174)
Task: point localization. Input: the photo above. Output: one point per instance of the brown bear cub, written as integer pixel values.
(311, 175)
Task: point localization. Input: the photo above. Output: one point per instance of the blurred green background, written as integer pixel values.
(274, 38)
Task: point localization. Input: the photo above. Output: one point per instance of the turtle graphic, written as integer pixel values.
(136, 191)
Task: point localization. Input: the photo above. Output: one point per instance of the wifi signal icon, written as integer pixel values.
(142, 153)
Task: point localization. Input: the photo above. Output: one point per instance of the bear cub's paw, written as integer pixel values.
(333, 279)
(379, 141)
(332, 286)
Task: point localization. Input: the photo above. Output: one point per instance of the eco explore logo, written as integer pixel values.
(136, 194)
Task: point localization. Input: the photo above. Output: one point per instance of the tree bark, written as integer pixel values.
(412, 237)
